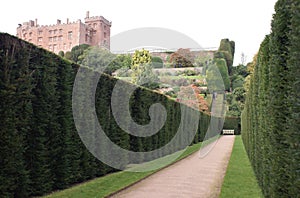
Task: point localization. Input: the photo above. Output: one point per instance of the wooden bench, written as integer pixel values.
(228, 132)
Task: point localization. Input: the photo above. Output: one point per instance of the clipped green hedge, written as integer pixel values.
(40, 149)
(270, 120)
(233, 123)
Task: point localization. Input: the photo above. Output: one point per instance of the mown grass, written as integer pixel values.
(104, 186)
(240, 180)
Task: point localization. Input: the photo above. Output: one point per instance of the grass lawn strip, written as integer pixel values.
(113, 183)
(240, 180)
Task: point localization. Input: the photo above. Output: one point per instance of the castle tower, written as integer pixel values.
(100, 30)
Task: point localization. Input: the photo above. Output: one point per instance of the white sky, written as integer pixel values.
(206, 21)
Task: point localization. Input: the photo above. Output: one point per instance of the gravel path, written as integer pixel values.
(191, 177)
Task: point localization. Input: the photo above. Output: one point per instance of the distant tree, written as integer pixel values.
(68, 55)
(142, 72)
(61, 53)
(243, 59)
(122, 61)
(97, 58)
(250, 69)
(182, 58)
(203, 60)
(238, 81)
(77, 51)
(240, 70)
(239, 94)
(157, 62)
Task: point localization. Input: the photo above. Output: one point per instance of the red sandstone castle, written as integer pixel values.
(94, 31)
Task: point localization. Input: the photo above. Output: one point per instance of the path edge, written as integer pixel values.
(171, 164)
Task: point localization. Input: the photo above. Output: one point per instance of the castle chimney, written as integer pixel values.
(58, 21)
(67, 20)
(87, 14)
(35, 23)
(31, 23)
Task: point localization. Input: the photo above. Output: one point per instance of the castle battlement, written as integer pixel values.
(95, 18)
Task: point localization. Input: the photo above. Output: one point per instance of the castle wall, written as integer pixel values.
(94, 31)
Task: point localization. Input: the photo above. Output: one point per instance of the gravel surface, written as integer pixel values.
(190, 177)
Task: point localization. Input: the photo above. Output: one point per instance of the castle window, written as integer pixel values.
(55, 31)
(40, 39)
(50, 39)
(60, 38)
(70, 45)
(24, 35)
(60, 31)
(50, 31)
(95, 25)
(30, 34)
(54, 39)
(104, 34)
(105, 27)
(50, 47)
(40, 32)
(65, 46)
(70, 35)
(54, 47)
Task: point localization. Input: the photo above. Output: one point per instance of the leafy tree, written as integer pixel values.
(99, 59)
(239, 94)
(142, 72)
(78, 51)
(240, 70)
(182, 58)
(157, 62)
(61, 53)
(238, 81)
(203, 60)
(68, 55)
(120, 61)
(243, 58)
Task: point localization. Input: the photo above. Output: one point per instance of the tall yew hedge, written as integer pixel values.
(271, 119)
(40, 149)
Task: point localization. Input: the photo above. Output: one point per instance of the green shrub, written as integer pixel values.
(157, 62)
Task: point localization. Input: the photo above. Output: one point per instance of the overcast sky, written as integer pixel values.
(206, 21)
